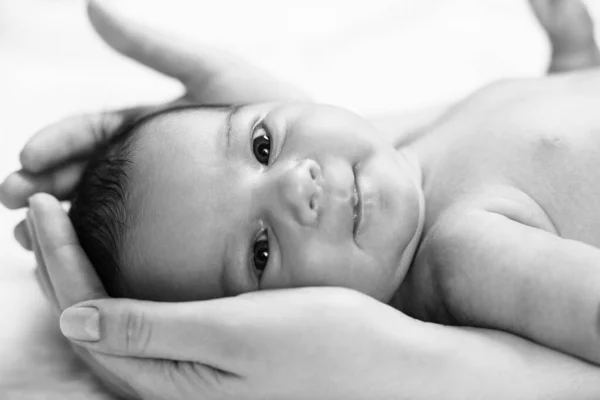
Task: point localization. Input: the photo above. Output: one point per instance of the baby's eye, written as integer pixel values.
(261, 145)
(260, 253)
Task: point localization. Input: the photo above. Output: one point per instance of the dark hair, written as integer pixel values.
(100, 210)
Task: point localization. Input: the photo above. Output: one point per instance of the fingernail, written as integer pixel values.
(81, 323)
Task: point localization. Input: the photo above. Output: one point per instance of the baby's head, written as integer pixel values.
(196, 202)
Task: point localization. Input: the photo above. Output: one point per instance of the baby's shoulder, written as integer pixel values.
(471, 226)
(457, 242)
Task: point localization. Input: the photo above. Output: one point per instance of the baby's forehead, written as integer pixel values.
(168, 182)
(181, 119)
(176, 145)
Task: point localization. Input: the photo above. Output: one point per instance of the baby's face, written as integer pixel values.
(267, 196)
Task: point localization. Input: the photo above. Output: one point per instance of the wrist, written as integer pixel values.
(497, 365)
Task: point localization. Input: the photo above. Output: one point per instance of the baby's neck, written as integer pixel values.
(408, 157)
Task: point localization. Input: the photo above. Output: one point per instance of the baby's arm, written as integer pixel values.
(502, 274)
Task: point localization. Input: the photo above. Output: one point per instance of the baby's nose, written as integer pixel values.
(302, 191)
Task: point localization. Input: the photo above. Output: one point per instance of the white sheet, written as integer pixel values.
(372, 56)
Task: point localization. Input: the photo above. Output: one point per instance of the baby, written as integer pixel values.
(456, 226)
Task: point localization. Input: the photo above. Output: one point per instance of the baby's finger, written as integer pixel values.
(71, 273)
(20, 185)
(570, 29)
(23, 236)
(69, 139)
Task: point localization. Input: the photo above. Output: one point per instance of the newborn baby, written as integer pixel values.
(195, 203)
(458, 226)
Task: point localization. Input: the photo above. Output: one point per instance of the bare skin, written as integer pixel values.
(571, 32)
(508, 238)
(544, 365)
(511, 206)
(519, 198)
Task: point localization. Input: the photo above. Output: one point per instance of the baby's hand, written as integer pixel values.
(571, 32)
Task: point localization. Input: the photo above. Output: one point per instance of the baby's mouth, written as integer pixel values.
(356, 204)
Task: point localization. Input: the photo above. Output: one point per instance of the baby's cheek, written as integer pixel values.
(319, 265)
(374, 275)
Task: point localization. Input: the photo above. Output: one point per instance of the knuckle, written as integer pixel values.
(138, 332)
(61, 250)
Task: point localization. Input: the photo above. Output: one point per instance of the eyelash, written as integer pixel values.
(261, 152)
(262, 149)
(260, 248)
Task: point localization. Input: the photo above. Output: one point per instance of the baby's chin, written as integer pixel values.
(395, 227)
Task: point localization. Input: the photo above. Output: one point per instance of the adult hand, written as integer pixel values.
(276, 345)
(54, 158)
(321, 343)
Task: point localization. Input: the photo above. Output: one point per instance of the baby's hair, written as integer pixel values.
(100, 210)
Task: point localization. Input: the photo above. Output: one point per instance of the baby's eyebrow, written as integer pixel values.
(235, 110)
(143, 118)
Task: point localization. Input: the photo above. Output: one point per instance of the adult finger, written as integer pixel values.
(133, 378)
(211, 75)
(229, 334)
(211, 332)
(20, 185)
(46, 289)
(70, 138)
(74, 280)
(41, 274)
(71, 273)
(41, 271)
(23, 235)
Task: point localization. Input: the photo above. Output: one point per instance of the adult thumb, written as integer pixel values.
(200, 332)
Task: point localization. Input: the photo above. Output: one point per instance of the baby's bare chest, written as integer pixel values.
(547, 150)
